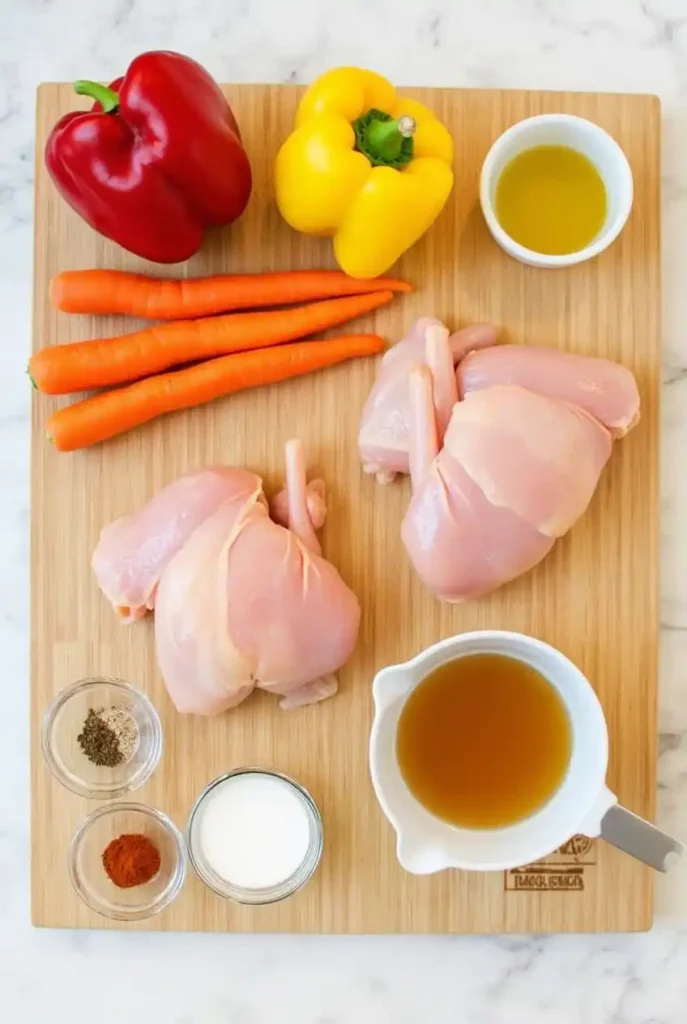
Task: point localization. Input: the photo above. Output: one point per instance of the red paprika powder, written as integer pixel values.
(131, 860)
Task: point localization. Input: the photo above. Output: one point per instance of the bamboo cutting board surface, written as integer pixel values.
(594, 597)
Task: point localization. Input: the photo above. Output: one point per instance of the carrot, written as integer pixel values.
(114, 291)
(87, 365)
(114, 412)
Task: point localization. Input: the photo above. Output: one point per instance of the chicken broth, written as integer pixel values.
(484, 741)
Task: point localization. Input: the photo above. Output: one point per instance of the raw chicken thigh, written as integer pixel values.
(499, 475)
(606, 390)
(240, 601)
(133, 551)
(384, 428)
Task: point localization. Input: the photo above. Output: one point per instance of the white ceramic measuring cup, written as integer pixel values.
(582, 804)
(579, 134)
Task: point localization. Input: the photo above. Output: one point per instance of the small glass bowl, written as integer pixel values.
(62, 725)
(271, 894)
(86, 861)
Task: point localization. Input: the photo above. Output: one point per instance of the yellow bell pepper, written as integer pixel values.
(368, 167)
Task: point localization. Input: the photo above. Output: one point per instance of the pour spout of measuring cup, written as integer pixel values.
(638, 837)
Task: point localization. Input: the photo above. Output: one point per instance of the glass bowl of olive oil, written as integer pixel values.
(555, 190)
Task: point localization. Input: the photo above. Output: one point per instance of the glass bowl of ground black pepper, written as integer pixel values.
(127, 861)
(102, 738)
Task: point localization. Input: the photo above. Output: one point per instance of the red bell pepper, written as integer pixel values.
(157, 160)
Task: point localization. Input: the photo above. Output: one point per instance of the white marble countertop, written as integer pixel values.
(620, 45)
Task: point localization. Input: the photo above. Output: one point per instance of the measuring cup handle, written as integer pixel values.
(591, 825)
(639, 838)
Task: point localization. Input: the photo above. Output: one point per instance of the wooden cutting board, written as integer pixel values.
(594, 597)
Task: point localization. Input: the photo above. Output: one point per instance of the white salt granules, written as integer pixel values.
(254, 830)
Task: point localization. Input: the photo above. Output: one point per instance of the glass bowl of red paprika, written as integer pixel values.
(127, 861)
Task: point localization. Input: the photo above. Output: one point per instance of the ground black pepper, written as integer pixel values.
(99, 742)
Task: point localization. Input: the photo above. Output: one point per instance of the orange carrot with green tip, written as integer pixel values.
(115, 291)
(89, 365)
(114, 412)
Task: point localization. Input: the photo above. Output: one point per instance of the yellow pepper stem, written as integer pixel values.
(383, 140)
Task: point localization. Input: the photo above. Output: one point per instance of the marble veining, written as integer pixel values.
(619, 45)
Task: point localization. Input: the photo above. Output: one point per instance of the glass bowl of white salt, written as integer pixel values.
(254, 836)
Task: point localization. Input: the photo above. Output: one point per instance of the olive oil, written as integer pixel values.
(484, 741)
(551, 199)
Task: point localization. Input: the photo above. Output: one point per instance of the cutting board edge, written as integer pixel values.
(36, 766)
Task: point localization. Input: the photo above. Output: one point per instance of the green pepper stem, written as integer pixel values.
(107, 98)
(385, 138)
